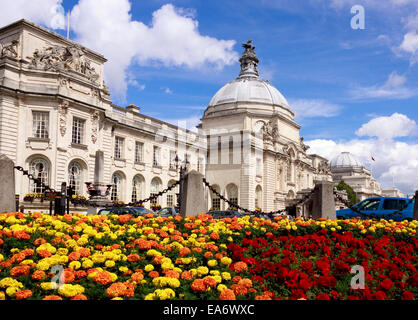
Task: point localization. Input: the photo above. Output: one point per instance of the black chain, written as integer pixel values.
(253, 212)
(141, 202)
(373, 215)
(37, 181)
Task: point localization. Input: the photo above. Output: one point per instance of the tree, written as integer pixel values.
(352, 197)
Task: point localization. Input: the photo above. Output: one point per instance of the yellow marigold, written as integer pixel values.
(70, 290)
(110, 263)
(226, 276)
(225, 261)
(75, 265)
(11, 291)
(149, 267)
(221, 287)
(2, 295)
(201, 271)
(212, 263)
(87, 264)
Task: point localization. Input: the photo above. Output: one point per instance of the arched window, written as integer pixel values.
(75, 176)
(232, 193)
(171, 195)
(258, 198)
(216, 201)
(155, 188)
(137, 187)
(116, 194)
(39, 168)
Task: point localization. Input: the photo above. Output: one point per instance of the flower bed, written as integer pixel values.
(121, 257)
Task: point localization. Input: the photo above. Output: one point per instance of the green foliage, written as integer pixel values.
(350, 192)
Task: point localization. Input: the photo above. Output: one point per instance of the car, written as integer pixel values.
(141, 211)
(220, 214)
(169, 212)
(394, 208)
(134, 211)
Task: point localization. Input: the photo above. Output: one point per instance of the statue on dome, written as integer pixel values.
(249, 61)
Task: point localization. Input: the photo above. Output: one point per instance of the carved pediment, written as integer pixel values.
(59, 58)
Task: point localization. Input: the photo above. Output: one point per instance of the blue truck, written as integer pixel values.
(394, 208)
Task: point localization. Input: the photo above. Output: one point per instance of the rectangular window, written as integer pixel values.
(156, 156)
(216, 203)
(78, 130)
(173, 155)
(119, 147)
(170, 200)
(40, 124)
(139, 147)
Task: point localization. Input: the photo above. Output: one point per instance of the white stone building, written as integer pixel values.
(56, 112)
(348, 167)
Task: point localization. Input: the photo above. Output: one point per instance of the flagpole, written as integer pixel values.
(68, 24)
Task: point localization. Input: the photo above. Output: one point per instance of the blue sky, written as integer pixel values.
(354, 90)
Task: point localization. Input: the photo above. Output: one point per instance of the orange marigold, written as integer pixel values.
(52, 297)
(187, 275)
(172, 274)
(153, 274)
(184, 251)
(210, 282)
(23, 294)
(239, 290)
(227, 294)
(20, 271)
(214, 236)
(137, 277)
(44, 253)
(38, 275)
(240, 266)
(103, 277)
(198, 285)
(84, 252)
(74, 256)
(133, 257)
(208, 254)
(245, 283)
(68, 275)
(80, 273)
(263, 297)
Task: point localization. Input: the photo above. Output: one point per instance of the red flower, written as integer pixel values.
(323, 296)
(386, 284)
(406, 295)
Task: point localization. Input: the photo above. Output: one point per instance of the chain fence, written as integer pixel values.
(246, 211)
(38, 181)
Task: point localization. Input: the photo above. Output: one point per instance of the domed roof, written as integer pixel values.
(248, 90)
(344, 160)
(248, 87)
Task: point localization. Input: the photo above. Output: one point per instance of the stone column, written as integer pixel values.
(323, 201)
(415, 216)
(193, 201)
(99, 199)
(7, 187)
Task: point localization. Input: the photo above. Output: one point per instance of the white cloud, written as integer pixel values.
(397, 125)
(167, 90)
(171, 39)
(49, 13)
(393, 158)
(393, 88)
(310, 108)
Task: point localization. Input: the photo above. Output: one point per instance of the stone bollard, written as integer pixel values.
(323, 201)
(415, 216)
(193, 200)
(7, 187)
